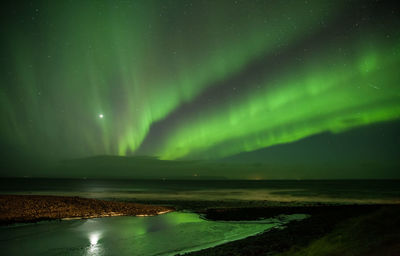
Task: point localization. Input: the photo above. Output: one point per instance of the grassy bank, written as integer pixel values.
(376, 233)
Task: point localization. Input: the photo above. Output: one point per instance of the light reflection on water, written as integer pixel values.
(94, 238)
(94, 249)
(166, 234)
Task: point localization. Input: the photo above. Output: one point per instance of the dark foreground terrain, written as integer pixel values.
(30, 208)
(332, 230)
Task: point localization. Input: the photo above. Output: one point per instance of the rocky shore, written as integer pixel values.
(32, 208)
(336, 230)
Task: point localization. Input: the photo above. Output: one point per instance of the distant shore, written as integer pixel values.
(33, 208)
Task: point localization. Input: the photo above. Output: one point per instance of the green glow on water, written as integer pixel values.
(164, 234)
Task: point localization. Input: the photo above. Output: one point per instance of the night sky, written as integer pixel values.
(248, 81)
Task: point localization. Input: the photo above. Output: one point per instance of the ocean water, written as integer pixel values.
(166, 234)
(328, 191)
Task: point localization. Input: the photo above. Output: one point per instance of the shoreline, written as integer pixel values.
(353, 225)
(34, 208)
(330, 230)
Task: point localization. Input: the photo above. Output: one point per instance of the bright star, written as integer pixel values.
(101, 116)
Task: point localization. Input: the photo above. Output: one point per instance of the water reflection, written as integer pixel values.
(94, 249)
(94, 237)
(166, 234)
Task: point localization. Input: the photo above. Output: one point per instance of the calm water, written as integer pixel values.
(174, 232)
(166, 234)
(351, 191)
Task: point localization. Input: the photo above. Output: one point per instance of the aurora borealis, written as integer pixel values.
(192, 80)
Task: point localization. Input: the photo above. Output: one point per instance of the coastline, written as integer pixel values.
(335, 230)
(330, 229)
(34, 208)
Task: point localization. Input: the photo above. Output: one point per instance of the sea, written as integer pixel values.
(273, 191)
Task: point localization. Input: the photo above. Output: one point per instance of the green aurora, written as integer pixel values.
(184, 80)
